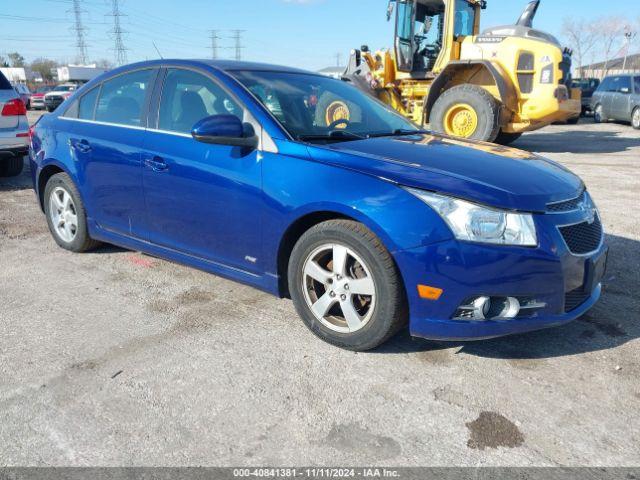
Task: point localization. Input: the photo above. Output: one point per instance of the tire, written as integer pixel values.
(59, 185)
(485, 106)
(598, 114)
(635, 118)
(573, 121)
(506, 138)
(382, 313)
(50, 110)
(12, 167)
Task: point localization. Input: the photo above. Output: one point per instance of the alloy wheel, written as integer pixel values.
(636, 118)
(597, 115)
(63, 213)
(339, 288)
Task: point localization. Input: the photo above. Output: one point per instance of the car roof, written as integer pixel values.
(222, 65)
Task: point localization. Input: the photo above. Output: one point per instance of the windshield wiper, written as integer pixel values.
(333, 135)
(396, 133)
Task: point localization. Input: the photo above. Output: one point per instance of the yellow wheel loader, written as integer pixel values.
(489, 86)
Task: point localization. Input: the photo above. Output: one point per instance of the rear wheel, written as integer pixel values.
(345, 286)
(66, 215)
(467, 111)
(635, 118)
(12, 167)
(506, 138)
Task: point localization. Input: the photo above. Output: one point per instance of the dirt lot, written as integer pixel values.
(115, 358)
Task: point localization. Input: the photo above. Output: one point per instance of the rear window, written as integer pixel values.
(4, 83)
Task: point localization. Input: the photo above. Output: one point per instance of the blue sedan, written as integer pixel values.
(304, 187)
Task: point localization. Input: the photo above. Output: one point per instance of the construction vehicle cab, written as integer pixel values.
(442, 71)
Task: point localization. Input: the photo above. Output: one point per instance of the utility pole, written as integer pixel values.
(79, 30)
(214, 44)
(237, 37)
(338, 59)
(117, 32)
(629, 35)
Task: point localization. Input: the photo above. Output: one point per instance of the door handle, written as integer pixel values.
(82, 146)
(156, 164)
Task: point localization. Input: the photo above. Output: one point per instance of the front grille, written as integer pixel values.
(574, 299)
(584, 237)
(566, 206)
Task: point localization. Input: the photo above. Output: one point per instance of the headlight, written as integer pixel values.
(475, 223)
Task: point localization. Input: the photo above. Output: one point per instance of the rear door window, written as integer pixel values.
(87, 106)
(636, 80)
(122, 98)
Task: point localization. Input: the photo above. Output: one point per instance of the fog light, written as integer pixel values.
(489, 308)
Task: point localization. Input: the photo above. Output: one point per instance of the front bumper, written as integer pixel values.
(548, 274)
(53, 102)
(37, 102)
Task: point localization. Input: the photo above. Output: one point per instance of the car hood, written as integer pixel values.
(483, 172)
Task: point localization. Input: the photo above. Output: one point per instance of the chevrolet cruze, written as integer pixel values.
(304, 187)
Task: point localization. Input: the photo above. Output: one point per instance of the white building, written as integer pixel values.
(15, 75)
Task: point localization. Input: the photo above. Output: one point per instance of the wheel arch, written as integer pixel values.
(308, 219)
(444, 80)
(47, 171)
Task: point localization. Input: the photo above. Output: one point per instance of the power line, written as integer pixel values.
(237, 37)
(117, 32)
(79, 30)
(214, 44)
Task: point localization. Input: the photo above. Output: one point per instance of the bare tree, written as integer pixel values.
(610, 34)
(582, 37)
(44, 67)
(16, 59)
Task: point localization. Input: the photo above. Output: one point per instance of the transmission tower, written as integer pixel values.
(214, 44)
(117, 32)
(79, 30)
(237, 37)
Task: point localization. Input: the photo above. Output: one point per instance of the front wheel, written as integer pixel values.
(346, 286)
(66, 215)
(467, 111)
(598, 114)
(635, 118)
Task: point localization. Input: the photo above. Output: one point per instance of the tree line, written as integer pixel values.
(42, 66)
(601, 40)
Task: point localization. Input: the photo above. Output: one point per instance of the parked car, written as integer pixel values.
(25, 94)
(587, 86)
(618, 98)
(37, 97)
(14, 130)
(366, 223)
(58, 95)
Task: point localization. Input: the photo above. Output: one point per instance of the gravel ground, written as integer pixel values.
(116, 358)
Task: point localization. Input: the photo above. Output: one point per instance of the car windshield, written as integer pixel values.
(315, 108)
(64, 88)
(43, 90)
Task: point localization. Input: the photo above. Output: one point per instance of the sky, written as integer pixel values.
(303, 33)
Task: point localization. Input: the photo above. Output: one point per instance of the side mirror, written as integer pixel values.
(225, 130)
(625, 90)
